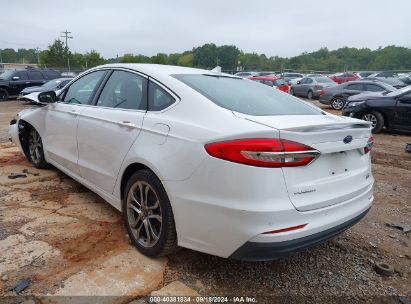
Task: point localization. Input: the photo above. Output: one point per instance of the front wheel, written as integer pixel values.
(4, 95)
(337, 103)
(292, 92)
(36, 152)
(376, 119)
(148, 215)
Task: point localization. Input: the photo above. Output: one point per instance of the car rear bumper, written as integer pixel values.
(257, 251)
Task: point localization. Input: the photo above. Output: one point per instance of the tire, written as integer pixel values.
(4, 95)
(376, 119)
(35, 149)
(310, 95)
(337, 103)
(292, 91)
(148, 217)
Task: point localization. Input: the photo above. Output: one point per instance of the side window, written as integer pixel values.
(158, 99)
(35, 75)
(308, 81)
(303, 81)
(373, 88)
(81, 90)
(22, 75)
(124, 90)
(52, 74)
(355, 87)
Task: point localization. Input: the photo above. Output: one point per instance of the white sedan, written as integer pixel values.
(204, 160)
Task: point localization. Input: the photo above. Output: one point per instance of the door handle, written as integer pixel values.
(28, 82)
(73, 112)
(126, 123)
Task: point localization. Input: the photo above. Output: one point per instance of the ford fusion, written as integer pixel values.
(204, 160)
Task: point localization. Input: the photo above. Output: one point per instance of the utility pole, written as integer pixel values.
(38, 55)
(66, 36)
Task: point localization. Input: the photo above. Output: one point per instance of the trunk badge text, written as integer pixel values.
(304, 191)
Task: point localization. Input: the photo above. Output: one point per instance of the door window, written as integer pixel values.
(158, 99)
(124, 90)
(35, 75)
(308, 81)
(81, 90)
(22, 75)
(374, 88)
(355, 87)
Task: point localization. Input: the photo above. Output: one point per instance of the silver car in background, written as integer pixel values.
(311, 87)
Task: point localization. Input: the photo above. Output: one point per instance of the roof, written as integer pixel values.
(149, 68)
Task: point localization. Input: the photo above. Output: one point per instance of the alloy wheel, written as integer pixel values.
(144, 214)
(35, 146)
(371, 118)
(337, 103)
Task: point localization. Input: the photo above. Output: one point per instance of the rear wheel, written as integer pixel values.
(36, 152)
(148, 215)
(337, 103)
(376, 119)
(4, 95)
(310, 95)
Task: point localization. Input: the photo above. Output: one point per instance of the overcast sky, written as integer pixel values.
(283, 28)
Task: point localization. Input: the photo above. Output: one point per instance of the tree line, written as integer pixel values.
(229, 57)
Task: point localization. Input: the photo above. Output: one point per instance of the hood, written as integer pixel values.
(33, 89)
(391, 81)
(365, 96)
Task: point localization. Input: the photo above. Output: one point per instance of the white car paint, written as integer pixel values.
(218, 205)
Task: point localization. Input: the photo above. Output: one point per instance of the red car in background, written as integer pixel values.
(272, 81)
(344, 77)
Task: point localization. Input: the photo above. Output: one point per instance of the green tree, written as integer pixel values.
(55, 55)
(228, 56)
(160, 58)
(186, 59)
(93, 58)
(205, 56)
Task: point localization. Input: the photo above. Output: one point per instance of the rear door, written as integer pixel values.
(108, 128)
(16, 86)
(353, 89)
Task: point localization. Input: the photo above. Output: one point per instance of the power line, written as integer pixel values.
(66, 36)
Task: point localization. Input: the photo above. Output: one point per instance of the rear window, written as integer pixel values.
(52, 74)
(323, 80)
(246, 96)
(279, 82)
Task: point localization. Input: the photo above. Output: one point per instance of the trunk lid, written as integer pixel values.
(340, 173)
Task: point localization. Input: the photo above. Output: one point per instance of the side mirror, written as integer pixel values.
(15, 78)
(47, 97)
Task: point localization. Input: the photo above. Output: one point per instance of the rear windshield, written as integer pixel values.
(245, 96)
(279, 82)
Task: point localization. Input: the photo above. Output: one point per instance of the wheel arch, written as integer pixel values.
(24, 128)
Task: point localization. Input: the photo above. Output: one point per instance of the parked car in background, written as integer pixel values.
(296, 80)
(272, 81)
(364, 74)
(344, 77)
(311, 87)
(12, 82)
(393, 81)
(391, 110)
(337, 96)
(245, 74)
(287, 76)
(204, 160)
(265, 73)
(405, 78)
(55, 85)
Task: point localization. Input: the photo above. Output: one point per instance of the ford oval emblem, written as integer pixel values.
(347, 139)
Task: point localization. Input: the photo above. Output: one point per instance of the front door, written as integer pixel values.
(402, 115)
(107, 130)
(62, 119)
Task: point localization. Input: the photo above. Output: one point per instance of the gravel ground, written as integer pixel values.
(341, 270)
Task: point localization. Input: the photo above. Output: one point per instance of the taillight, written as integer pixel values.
(322, 92)
(369, 145)
(272, 153)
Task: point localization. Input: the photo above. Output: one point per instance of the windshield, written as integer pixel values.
(51, 84)
(6, 75)
(400, 91)
(245, 96)
(323, 80)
